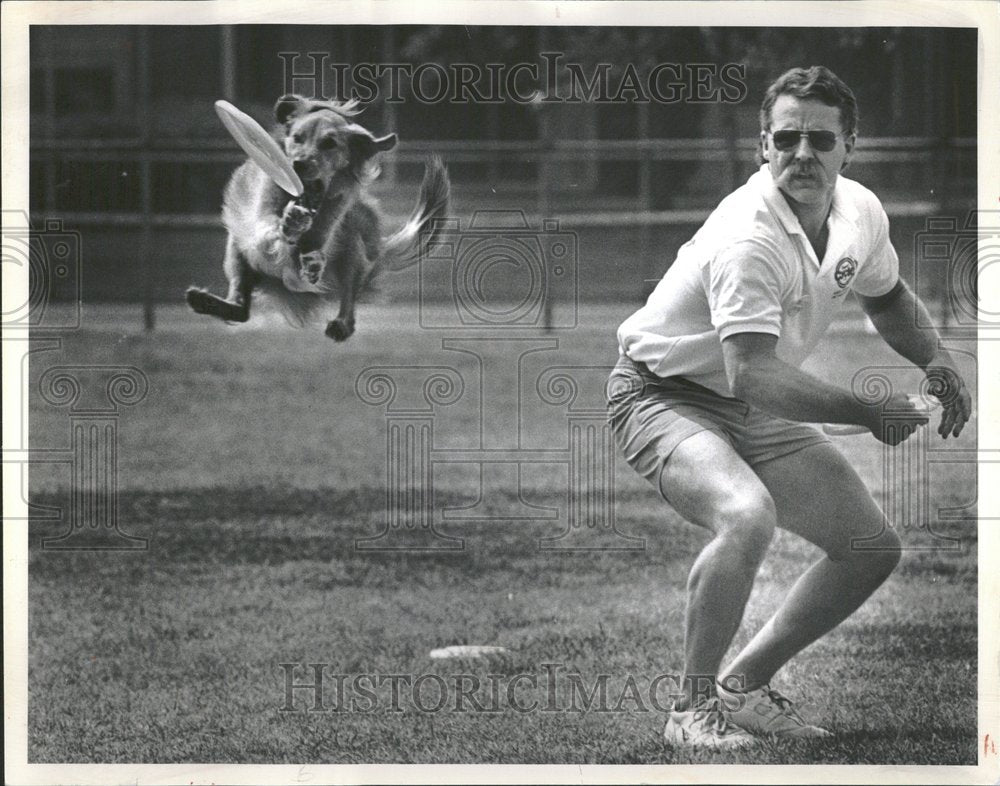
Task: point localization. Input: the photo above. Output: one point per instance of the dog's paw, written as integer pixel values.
(340, 329)
(311, 266)
(198, 300)
(295, 221)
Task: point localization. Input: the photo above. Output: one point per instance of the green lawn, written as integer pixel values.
(252, 466)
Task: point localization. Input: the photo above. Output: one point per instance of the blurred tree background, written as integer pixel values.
(123, 133)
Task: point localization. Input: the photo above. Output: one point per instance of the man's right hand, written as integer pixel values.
(896, 419)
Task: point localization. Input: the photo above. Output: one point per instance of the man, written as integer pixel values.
(708, 403)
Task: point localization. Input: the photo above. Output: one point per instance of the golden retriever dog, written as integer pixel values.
(300, 253)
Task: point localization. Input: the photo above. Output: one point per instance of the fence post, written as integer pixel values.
(389, 167)
(50, 120)
(645, 192)
(146, 186)
(543, 180)
(228, 42)
(544, 201)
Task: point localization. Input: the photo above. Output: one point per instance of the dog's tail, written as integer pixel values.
(402, 248)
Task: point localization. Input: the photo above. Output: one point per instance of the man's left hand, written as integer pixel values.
(945, 383)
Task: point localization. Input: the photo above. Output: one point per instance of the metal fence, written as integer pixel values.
(145, 184)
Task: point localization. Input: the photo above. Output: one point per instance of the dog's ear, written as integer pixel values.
(387, 142)
(364, 146)
(288, 106)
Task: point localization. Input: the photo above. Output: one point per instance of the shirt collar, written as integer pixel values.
(776, 202)
(843, 206)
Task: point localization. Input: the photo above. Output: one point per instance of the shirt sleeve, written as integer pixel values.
(744, 284)
(880, 271)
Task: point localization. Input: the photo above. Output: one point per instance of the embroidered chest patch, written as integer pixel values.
(844, 272)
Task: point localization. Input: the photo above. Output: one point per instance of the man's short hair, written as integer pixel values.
(817, 82)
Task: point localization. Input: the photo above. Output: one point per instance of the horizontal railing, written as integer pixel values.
(928, 156)
(922, 172)
(481, 151)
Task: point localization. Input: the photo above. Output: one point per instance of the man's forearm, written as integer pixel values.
(897, 318)
(897, 322)
(787, 392)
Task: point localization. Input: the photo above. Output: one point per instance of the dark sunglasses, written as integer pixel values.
(823, 141)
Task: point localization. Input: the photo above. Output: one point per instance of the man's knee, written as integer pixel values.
(874, 557)
(747, 521)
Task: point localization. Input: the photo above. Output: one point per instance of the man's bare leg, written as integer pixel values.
(707, 483)
(820, 497)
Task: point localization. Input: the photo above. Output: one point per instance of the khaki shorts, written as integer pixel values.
(651, 415)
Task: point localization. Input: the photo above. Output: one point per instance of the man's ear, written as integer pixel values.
(763, 145)
(288, 106)
(849, 142)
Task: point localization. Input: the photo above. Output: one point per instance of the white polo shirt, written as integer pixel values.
(751, 269)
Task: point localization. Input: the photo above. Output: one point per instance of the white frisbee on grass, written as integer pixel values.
(260, 146)
(468, 651)
(922, 405)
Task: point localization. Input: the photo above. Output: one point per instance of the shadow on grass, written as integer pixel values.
(949, 745)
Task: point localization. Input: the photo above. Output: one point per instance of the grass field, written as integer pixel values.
(252, 466)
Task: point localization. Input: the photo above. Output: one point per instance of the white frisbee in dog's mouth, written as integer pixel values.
(260, 146)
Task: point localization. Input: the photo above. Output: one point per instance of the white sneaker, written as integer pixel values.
(765, 711)
(705, 726)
